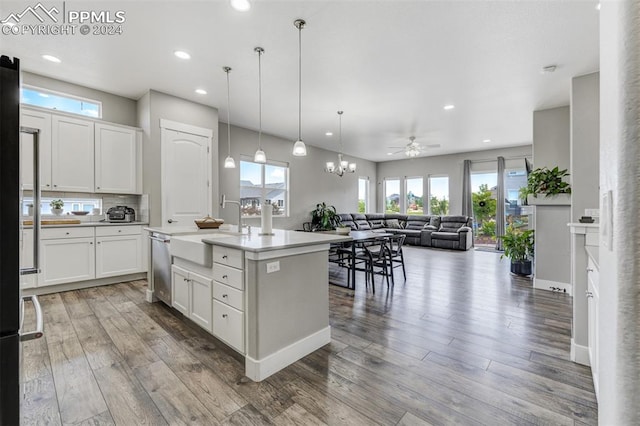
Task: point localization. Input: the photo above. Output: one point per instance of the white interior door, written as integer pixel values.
(186, 173)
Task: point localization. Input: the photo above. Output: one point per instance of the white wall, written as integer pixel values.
(448, 165)
(308, 182)
(115, 109)
(153, 107)
(619, 322)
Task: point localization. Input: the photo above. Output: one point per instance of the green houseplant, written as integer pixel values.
(324, 218)
(518, 246)
(56, 206)
(547, 181)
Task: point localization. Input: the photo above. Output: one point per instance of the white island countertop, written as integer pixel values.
(283, 239)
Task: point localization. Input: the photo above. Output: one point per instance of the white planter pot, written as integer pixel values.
(553, 200)
(57, 212)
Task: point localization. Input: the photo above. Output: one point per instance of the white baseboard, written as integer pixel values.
(580, 354)
(258, 370)
(150, 297)
(84, 284)
(547, 284)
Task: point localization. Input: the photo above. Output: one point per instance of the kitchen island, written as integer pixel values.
(264, 296)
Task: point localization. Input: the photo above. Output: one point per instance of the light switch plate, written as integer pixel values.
(273, 267)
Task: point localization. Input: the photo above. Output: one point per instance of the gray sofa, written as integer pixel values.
(450, 232)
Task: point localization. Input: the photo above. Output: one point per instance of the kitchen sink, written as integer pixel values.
(191, 248)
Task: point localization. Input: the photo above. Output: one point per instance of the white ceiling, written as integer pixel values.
(390, 65)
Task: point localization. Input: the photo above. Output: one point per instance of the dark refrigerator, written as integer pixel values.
(11, 300)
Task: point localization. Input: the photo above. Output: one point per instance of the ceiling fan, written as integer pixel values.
(413, 148)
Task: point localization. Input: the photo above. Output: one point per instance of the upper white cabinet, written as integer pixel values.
(41, 121)
(118, 159)
(72, 154)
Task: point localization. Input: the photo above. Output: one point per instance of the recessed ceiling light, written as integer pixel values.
(598, 6)
(329, 134)
(51, 58)
(448, 107)
(240, 5)
(486, 140)
(201, 91)
(389, 153)
(182, 54)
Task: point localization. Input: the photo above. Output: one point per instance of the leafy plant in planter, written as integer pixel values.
(324, 218)
(518, 246)
(547, 181)
(56, 206)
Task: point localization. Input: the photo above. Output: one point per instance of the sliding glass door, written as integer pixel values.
(484, 208)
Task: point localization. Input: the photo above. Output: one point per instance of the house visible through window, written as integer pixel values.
(264, 181)
(392, 195)
(61, 102)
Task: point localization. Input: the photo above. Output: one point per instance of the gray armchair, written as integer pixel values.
(455, 232)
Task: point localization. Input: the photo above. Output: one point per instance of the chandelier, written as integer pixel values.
(343, 166)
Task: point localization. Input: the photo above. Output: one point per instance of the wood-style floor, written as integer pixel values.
(461, 342)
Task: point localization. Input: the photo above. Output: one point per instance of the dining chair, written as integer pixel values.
(377, 258)
(395, 247)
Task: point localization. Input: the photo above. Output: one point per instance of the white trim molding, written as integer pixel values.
(579, 353)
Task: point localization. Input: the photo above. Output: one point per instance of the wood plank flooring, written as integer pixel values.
(460, 342)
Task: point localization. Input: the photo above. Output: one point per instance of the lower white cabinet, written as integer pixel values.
(228, 325)
(119, 251)
(67, 260)
(593, 299)
(191, 294)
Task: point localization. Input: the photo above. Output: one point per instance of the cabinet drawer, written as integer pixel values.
(55, 233)
(228, 256)
(228, 275)
(110, 231)
(228, 325)
(228, 295)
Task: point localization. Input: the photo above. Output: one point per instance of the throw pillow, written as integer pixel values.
(435, 221)
(430, 228)
(393, 223)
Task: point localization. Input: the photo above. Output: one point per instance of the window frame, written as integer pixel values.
(367, 191)
(429, 177)
(384, 193)
(405, 194)
(42, 91)
(287, 190)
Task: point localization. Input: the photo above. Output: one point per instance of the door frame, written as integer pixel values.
(192, 130)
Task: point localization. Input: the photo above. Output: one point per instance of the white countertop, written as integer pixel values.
(282, 239)
(85, 224)
(179, 230)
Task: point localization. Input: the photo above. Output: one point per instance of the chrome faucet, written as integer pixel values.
(240, 225)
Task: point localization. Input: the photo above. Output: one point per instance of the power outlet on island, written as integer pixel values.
(273, 267)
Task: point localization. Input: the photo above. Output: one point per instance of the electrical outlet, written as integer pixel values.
(273, 267)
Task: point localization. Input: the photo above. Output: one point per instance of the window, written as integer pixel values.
(363, 195)
(264, 181)
(484, 186)
(61, 102)
(414, 200)
(70, 204)
(392, 195)
(439, 195)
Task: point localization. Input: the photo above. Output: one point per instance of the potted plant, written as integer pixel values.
(518, 246)
(56, 206)
(324, 218)
(547, 181)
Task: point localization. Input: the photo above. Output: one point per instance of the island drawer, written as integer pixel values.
(228, 325)
(228, 275)
(115, 230)
(228, 256)
(55, 233)
(228, 295)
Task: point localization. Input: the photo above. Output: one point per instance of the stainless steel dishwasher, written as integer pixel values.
(161, 266)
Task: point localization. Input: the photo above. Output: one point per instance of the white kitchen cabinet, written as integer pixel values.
(41, 121)
(118, 159)
(228, 295)
(191, 294)
(593, 299)
(72, 154)
(67, 260)
(118, 255)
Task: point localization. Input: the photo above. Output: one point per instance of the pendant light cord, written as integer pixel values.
(260, 100)
(300, 82)
(227, 70)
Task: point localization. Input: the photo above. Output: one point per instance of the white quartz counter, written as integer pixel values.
(282, 239)
(179, 230)
(85, 224)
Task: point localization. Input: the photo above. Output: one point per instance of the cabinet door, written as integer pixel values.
(67, 260)
(228, 325)
(180, 289)
(41, 121)
(72, 154)
(118, 160)
(201, 298)
(119, 255)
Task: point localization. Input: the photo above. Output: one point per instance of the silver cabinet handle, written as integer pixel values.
(38, 332)
(55, 186)
(588, 294)
(224, 296)
(224, 256)
(66, 233)
(172, 221)
(47, 185)
(589, 269)
(224, 277)
(36, 201)
(97, 187)
(224, 315)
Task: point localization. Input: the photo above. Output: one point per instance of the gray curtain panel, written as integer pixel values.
(467, 202)
(500, 204)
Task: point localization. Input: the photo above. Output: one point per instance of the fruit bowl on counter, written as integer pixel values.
(79, 213)
(209, 223)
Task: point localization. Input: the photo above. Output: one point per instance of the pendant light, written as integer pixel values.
(260, 156)
(229, 162)
(343, 165)
(299, 148)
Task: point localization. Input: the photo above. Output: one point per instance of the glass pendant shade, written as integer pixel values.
(260, 157)
(299, 149)
(229, 163)
(330, 166)
(352, 167)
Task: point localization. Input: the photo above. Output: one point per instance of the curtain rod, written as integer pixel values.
(517, 157)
